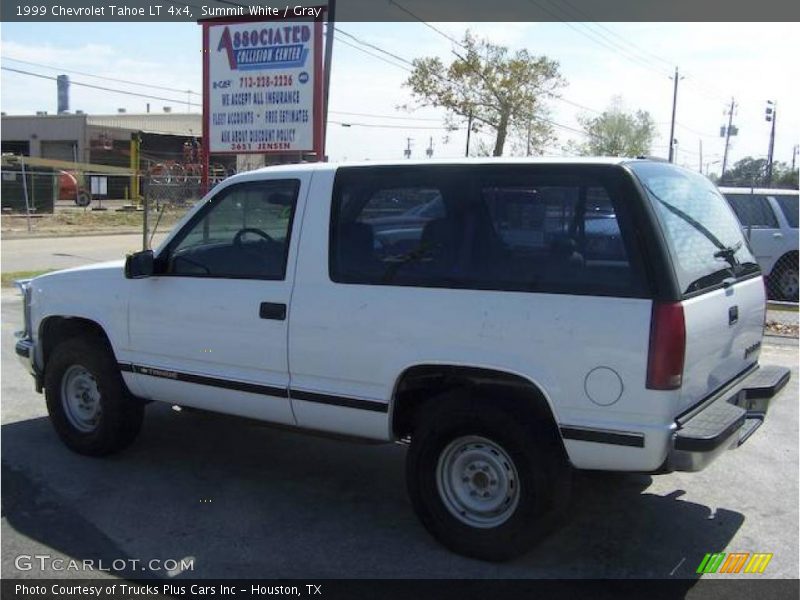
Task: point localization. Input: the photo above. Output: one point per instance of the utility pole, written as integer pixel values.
(771, 114)
(330, 27)
(674, 107)
(469, 131)
(407, 151)
(795, 150)
(429, 150)
(726, 132)
(700, 141)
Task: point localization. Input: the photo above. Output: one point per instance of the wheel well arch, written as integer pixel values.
(57, 328)
(419, 384)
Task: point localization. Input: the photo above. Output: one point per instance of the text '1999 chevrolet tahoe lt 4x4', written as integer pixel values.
(511, 320)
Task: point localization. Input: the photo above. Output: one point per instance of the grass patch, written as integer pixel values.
(9, 278)
(75, 222)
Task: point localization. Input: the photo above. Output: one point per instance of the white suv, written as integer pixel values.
(511, 320)
(769, 219)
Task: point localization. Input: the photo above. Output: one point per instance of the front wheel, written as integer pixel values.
(88, 404)
(786, 281)
(485, 479)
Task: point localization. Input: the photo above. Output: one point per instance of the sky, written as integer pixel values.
(752, 62)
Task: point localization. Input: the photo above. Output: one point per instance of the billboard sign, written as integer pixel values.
(262, 86)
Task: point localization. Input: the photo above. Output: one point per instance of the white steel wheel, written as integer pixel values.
(80, 398)
(478, 482)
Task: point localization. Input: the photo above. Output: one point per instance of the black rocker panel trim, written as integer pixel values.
(602, 436)
(255, 388)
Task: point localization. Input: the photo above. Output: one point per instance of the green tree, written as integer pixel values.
(747, 172)
(786, 178)
(499, 90)
(752, 172)
(616, 132)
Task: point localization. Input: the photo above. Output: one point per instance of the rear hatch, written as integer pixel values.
(721, 290)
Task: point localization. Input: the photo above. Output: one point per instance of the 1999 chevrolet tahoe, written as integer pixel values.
(512, 320)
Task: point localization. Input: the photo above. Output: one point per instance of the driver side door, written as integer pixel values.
(209, 329)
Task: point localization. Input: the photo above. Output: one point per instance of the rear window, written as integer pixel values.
(789, 206)
(508, 229)
(703, 235)
(753, 210)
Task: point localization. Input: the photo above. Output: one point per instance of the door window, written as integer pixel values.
(243, 234)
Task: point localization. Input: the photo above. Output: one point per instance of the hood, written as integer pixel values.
(91, 270)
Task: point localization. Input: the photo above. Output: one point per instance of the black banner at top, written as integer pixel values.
(404, 10)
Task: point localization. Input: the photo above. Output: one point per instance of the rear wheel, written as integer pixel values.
(88, 404)
(485, 478)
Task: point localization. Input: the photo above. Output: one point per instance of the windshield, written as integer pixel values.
(704, 238)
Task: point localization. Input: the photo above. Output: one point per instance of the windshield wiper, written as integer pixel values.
(723, 251)
(727, 253)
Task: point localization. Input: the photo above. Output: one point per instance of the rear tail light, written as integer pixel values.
(667, 347)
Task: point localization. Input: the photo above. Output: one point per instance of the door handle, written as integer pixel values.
(272, 310)
(777, 234)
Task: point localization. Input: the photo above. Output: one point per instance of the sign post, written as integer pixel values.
(262, 88)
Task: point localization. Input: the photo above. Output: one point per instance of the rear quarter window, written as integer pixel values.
(482, 227)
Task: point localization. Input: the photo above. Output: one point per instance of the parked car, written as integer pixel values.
(535, 317)
(769, 219)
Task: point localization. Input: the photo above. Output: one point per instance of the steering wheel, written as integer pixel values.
(237, 239)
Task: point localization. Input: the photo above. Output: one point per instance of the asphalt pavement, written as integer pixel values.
(236, 499)
(42, 253)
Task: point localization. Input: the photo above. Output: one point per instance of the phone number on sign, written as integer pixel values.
(264, 81)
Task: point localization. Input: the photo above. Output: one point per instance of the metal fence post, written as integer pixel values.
(25, 191)
(144, 222)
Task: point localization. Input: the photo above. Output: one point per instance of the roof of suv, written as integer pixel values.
(325, 166)
(761, 191)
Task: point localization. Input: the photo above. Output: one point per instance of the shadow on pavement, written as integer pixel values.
(243, 500)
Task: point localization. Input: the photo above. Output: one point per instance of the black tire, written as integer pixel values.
(537, 456)
(783, 279)
(83, 199)
(120, 418)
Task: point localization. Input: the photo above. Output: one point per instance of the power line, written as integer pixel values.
(397, 117)
(428, 25)
(597, 39)
(380, 126)
(149, 85)
(458, 43)
(372, 54)
(535, 118)
(640, 50)
(705, 90)
(374, 47)
(99, 87)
